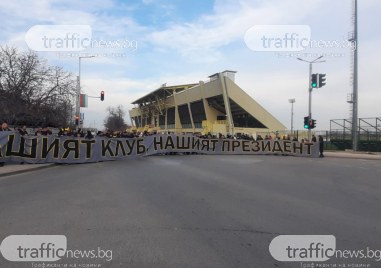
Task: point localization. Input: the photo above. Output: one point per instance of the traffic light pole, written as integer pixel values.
(310, 102)
(310, 90)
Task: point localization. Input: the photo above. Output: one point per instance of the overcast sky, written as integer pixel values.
(173, 41)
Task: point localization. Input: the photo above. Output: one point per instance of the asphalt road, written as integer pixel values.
(195, 211)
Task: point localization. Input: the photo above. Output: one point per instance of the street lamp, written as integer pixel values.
(292, 101)
(310, 88)
(78, 106)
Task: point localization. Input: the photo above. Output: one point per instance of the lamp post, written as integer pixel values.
(310, 89)
(292, 101)
(78, 106)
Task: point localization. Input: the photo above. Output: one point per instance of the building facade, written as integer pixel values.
(216, 106)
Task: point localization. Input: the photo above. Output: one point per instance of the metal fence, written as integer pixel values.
(368, 133)
(369, 141)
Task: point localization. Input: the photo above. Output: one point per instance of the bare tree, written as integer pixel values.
(33, 92)
(115, 119)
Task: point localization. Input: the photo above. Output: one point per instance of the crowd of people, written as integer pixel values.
(45, 131)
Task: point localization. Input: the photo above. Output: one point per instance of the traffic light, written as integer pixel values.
(321, 80)
(312, 123)
(306, 122)
(314, 80)
(102, 95)
(77, 120)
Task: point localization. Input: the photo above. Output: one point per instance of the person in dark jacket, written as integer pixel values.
(89, 135)
(321, 146)
(23, 131)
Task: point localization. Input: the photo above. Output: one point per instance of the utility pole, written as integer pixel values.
(292, 101)
(355, 81)
(310, 103)
(78, 106)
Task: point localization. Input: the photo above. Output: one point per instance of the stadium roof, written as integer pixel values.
(162, 93)
(226, 71)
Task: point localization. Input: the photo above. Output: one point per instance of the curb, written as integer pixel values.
(26, 170)
(353, 156)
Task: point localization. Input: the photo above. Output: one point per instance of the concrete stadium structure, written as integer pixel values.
(216, 106)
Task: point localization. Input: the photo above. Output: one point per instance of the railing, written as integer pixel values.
(197, 125)
(186, 126)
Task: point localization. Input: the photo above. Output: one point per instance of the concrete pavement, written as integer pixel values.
(195, 210)
(10, 169)
(353, 155)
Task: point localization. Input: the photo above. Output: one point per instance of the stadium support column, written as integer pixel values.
(166, 119)
(208, 115)
(227, 104)
(177, 116)
(178, 126)
(191, 116)
(132, 121)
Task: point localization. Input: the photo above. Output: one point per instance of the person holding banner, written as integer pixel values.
(4, 127)
(23, 131)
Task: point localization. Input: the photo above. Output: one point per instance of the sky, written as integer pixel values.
(178, 42)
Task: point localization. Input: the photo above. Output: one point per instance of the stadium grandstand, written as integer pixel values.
(216, 106)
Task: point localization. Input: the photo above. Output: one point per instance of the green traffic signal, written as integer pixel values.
(306, 122)
(314, 80)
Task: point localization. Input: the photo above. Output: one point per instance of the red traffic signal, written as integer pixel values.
(312, 123)
(102, 95)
